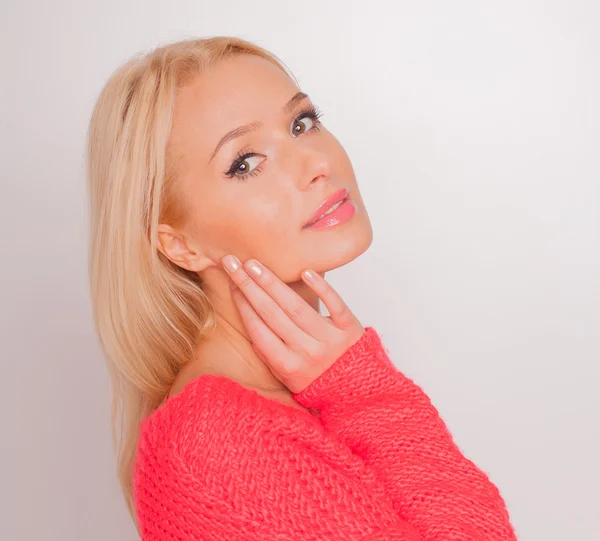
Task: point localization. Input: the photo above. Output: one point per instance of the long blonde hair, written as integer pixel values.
(149, 313)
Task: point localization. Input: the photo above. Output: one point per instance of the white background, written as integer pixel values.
(474, 131)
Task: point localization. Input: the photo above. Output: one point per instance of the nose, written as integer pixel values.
(317, 166)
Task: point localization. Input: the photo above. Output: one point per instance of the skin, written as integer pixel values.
(261, 218)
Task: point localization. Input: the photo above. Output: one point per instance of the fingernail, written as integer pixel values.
(253, 268)
(231, 263)
(309, 275)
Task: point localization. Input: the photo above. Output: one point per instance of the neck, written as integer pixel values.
(228, 351)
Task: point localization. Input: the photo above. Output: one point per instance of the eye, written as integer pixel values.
(306, 121)
(244, 165)
(302, 125)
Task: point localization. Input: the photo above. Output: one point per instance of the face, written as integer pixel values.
(250, 192)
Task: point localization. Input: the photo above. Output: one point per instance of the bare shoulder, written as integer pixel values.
(199, 366)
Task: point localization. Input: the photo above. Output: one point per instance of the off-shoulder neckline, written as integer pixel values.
(189, 388)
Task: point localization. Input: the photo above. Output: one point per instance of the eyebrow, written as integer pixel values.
(247, 128)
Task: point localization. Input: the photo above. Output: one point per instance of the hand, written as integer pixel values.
(297, 343)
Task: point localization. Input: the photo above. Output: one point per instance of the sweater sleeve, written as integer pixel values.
(389, 422)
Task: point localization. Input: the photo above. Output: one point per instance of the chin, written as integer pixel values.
(343, 247)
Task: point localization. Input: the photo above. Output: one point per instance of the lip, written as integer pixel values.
(334, 198)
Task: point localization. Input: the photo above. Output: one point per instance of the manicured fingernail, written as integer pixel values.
(309, 275)
(231, 263)
(253, 267)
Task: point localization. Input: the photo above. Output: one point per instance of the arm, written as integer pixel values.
(390, 423)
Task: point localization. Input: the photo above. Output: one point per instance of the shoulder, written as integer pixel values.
(179, 478)
(212, 422)
(204, 404)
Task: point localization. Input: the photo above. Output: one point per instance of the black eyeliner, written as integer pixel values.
(311, 112)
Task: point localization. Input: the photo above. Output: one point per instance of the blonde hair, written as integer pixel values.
(148, 312)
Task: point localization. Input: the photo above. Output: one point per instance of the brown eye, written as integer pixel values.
(300, 126)
(247, 165)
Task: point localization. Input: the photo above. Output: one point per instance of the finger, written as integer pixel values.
(259, 353)
(272, 350)
(294, 306)
(341, 315)
(265, 306)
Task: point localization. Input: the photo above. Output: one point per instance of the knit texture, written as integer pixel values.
(371, 460)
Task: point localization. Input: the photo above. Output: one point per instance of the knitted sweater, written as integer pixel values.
(370, 460)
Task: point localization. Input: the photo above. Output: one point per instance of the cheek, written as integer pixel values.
(339, 156)
(266, 222)
(342, 158)
(251, 223)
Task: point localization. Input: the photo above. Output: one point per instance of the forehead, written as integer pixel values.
(235, 91)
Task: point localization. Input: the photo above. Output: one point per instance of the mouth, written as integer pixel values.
(328, 206)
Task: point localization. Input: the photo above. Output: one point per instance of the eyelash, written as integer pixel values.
(311, 112)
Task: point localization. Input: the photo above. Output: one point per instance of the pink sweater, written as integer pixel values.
(372, 460)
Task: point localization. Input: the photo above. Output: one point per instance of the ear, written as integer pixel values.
(174, 246)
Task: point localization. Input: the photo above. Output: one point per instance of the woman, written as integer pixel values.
(244, 413)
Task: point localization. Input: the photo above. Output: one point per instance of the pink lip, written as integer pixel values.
(340, 215)
(334, 198)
